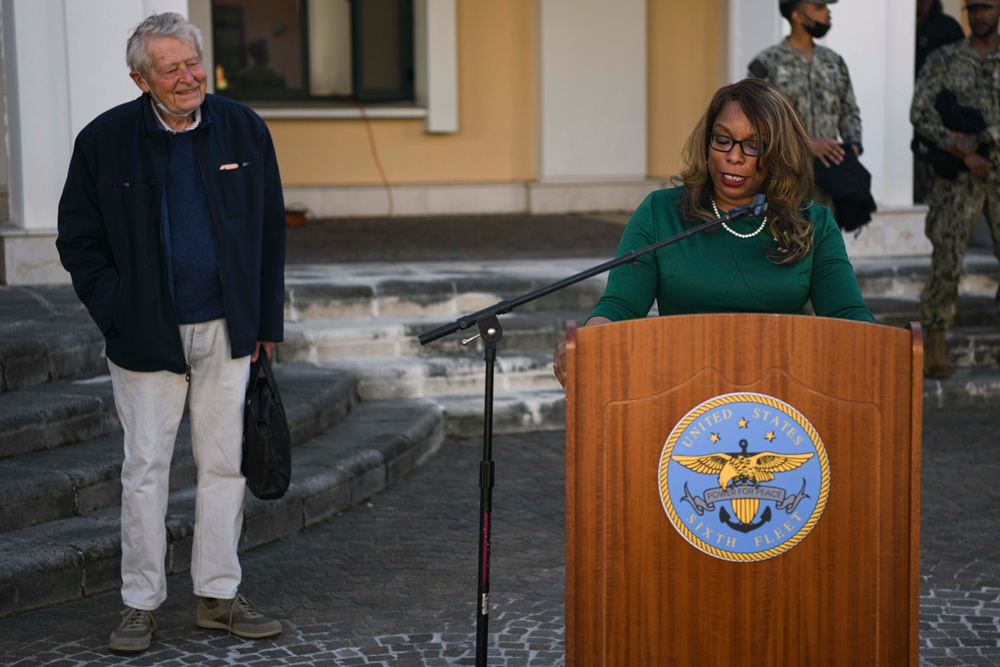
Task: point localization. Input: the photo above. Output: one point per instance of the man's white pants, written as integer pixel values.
(150, 406)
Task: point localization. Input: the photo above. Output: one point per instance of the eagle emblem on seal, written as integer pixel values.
(743, 468)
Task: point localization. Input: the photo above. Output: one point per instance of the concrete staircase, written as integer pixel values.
(367, 324)
(61, 454)
(367, 402)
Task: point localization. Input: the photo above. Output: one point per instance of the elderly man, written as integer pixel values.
(967, 72)
(171, 224)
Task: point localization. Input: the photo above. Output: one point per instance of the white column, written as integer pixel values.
(64, 63)
(36, 76)
(591, 90)
(876, 38)
(435, 29)
(754, 25)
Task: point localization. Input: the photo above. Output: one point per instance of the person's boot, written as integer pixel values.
(936, 355)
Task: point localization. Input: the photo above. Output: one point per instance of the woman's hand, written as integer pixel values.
(559, 363)
(559, 355)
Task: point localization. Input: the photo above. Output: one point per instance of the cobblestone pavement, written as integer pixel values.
(393, 582)
(960, 540)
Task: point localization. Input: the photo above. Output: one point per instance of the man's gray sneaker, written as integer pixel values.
(238, 616)
(135, 631)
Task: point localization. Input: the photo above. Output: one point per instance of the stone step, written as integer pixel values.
(375, 446)
(974, 347)
(45, 335)
(334, 339)
(975, 309)
(898, 276)
(443, 375)
(513, 412)
(431, 289)
(48, 485)
(55, 414)
(976, 386)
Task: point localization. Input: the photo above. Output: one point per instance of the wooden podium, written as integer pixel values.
(641, 593)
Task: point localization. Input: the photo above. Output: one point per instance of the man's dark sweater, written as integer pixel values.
(194, 268)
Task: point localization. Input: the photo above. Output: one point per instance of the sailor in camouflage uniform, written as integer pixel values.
(970, 69)
(816, 81)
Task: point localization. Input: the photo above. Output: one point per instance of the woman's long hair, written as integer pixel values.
(786, 162)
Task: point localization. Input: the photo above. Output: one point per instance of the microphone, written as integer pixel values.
(756, 207)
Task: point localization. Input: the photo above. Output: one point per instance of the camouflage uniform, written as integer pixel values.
(820, 91)
(955, 205)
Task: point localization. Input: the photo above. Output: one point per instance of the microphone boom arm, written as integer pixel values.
(757, 207)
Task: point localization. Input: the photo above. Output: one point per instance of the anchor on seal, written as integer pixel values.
(740, 474)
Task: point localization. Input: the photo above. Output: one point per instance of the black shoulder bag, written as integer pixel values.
(267, 445)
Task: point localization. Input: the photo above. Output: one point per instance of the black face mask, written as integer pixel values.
(818, 30)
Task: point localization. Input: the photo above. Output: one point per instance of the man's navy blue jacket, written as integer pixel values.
(111, 229)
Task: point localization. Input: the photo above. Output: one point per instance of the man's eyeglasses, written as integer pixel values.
(724, 144)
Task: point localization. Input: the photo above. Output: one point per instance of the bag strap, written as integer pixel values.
(265, 364)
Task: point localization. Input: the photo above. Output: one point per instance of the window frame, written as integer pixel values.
(405, 66)
(403, 95)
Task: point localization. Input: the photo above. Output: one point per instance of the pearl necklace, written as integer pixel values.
(763, 224)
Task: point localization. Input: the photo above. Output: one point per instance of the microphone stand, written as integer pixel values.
(487, 321)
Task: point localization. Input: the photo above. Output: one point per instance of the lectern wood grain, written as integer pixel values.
(639, 594)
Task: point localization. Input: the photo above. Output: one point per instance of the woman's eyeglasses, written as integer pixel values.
(724, 144)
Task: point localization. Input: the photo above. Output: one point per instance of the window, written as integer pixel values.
(314, 50)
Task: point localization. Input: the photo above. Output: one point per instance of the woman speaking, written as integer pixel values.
(749, 142)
